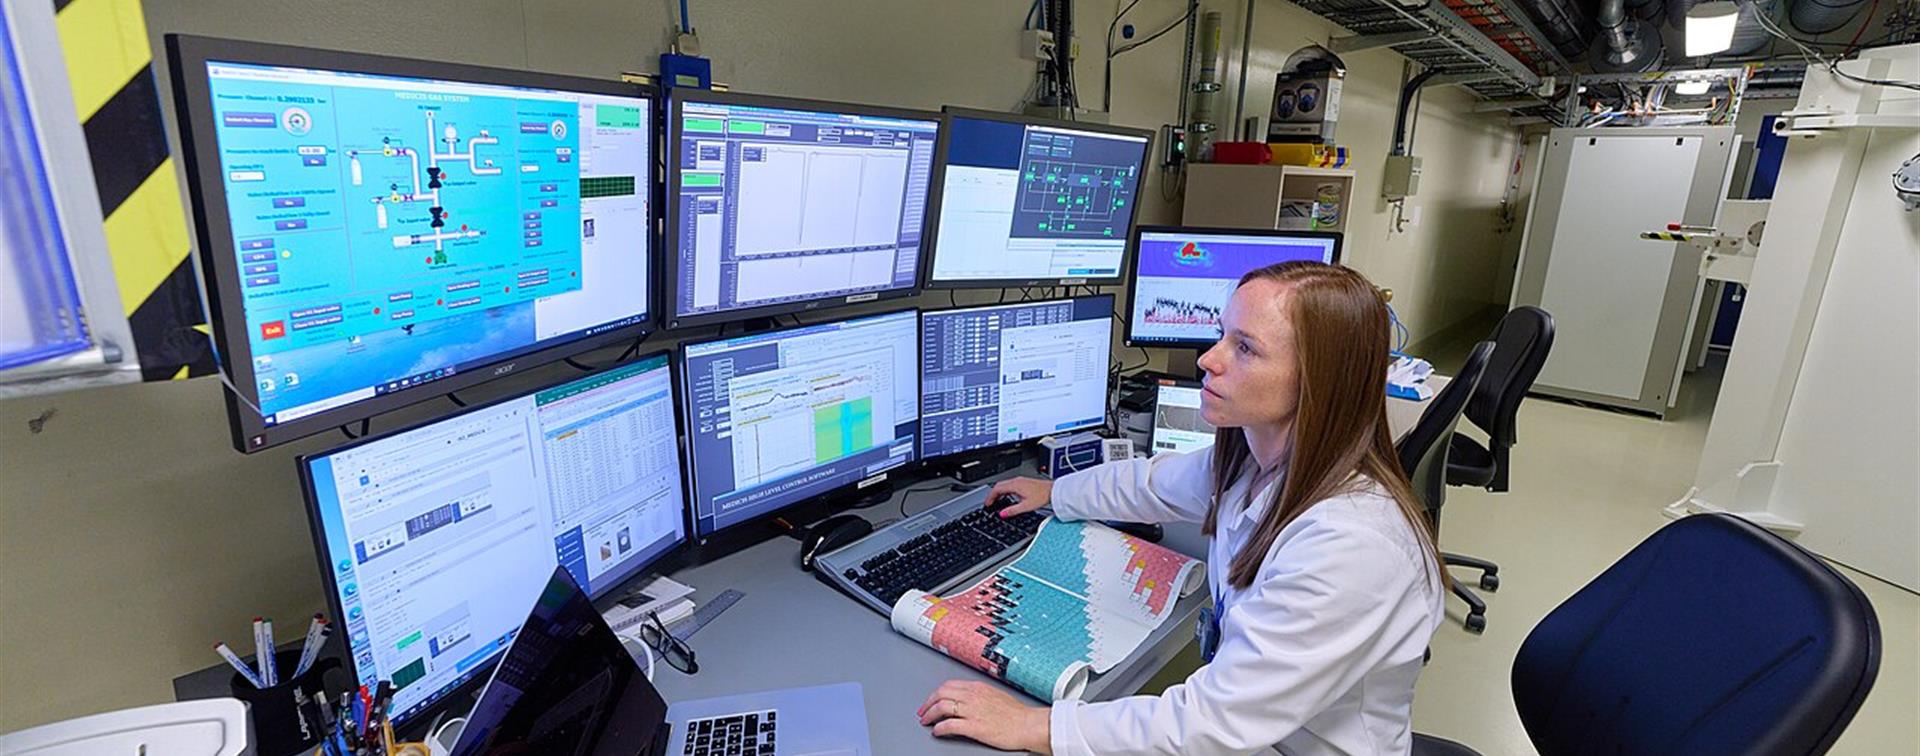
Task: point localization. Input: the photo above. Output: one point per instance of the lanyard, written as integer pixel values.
(1207, 626)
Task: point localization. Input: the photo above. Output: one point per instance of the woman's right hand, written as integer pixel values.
(1033, 492)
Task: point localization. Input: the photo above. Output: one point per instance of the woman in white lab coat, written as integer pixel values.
(1324, 573)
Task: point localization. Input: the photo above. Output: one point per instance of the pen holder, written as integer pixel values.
(278, 727)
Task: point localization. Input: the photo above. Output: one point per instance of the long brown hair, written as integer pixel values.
(1340, 434)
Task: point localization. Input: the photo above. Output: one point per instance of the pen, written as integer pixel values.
(234, 661)
(310, 649)
(268, 671)
(261, 651)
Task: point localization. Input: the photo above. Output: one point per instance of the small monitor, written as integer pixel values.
(1183, 277)
(1177, 423)
(376, 231)
(1033, 202)
(435, 540)
(776, 205)
(1001, 374)
(782, 417)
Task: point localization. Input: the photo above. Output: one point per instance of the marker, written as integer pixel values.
(262, 651)
(233, 660)
(310, 649)
(268, 671)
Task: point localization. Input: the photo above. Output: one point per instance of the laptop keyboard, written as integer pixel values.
(747, 734)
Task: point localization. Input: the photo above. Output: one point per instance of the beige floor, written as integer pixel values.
(1587, 485)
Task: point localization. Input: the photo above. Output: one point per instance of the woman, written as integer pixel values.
(1324, 574)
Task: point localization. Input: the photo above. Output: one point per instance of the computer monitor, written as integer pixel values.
(1000, 374)
(777, 205)
(376, 231)
(1177, 423)
(1034, 202)
(435, 540)
(782, 417)
(1183, 277)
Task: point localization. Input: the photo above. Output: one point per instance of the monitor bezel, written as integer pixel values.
(690, 473)
(1107, 407)
(316, 528)
(937, 200)
(1133, 272)
(669, 272)
(219, 269)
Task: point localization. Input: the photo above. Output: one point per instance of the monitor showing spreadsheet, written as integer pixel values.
(435, 540)
(1183, 277)
(782, 417)
(1029, 201)
(778, 205)
(1000, 374)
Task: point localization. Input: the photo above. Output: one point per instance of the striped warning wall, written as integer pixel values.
(110, 65)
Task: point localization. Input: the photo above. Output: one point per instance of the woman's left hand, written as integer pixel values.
(982, 712)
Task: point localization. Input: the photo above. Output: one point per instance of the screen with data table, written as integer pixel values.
(1025, 201)
(780, 417)
(775, 207)
(1183, 277)
(435, 540)
(1004, 373)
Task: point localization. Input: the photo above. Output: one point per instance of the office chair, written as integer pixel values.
(1521, 342)
(1711, 636)
(1423, 454)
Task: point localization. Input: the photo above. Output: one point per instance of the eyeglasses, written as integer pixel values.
(678, 654)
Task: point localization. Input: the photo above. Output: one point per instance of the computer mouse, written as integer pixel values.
(829, 534)
(1003, 501)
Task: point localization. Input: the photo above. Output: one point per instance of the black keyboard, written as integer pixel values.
(747, 734)
(928, 551)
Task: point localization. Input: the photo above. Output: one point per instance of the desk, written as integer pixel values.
(792, 630)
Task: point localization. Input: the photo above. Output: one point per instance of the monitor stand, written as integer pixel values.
(978, 466)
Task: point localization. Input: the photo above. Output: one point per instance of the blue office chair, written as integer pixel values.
(1423, 454)
(1712, 636)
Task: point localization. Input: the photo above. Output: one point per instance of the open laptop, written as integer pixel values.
(568, 687)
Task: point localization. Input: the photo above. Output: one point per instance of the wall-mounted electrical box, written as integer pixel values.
(1173, 145)
(1402, 179)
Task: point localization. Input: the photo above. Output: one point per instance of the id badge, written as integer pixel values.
(1207, 631)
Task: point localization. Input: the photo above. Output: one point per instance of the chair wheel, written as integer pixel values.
(1489, 582)
(1476, 623)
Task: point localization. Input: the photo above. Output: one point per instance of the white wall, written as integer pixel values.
(132, 536)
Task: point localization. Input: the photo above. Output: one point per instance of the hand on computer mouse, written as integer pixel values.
(1019, 496)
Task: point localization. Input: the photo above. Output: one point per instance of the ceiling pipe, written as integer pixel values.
(1630, 44)
(1823, 16)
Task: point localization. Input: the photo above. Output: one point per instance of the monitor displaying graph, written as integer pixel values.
(1183, 277)
(1000, 374)
(778, 205)
(1026, 200)
(784, 416)
(1178, 425)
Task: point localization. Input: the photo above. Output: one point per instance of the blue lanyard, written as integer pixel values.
(1207, 626)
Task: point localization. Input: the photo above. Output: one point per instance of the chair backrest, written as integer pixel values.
(1520, 345)
(1712, 636)
(1423, 452)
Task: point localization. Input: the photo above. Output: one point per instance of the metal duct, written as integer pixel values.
(1567, 29)
(1823, 16)
(1628, 44)
(1748, 36)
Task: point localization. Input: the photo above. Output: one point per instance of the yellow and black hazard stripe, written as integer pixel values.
(1672, 236)
(110, 66)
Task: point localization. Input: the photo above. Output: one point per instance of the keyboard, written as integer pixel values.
(930, 551)
(745, 734)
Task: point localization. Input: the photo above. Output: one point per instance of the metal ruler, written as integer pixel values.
(702, 615)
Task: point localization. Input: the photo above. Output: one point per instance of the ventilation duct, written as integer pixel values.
(1748, 36)
(1823, 16)
(1566, 27)
(1626, 44)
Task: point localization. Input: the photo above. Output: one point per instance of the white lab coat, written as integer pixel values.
(1318, 655)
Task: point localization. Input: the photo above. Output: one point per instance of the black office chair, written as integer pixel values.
(1712, 636)
(1521, 343)
(1423, 454)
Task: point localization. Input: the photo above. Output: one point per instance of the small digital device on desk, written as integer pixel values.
(567, 686)
(1071, 453)
(434, 540)
(1183, 277)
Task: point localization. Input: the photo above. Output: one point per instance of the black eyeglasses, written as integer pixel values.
(678, 654)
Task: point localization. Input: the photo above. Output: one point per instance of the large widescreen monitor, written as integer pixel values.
(435, 540)
(1183, 277)
(777, 205)
(1000, 374)
(1028, 201)
(377, 231)
(782, 417)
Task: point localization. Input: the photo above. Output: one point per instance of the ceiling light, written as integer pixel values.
(1710, 27)
(1697, 87)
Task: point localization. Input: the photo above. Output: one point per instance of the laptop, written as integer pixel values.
(568, 687)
